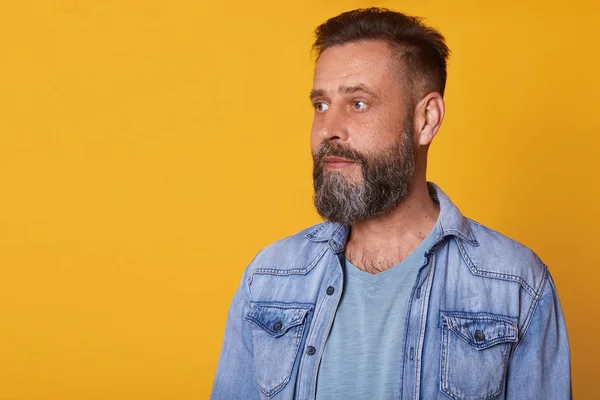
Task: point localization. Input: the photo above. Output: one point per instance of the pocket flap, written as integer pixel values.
(277, 318)
(482, 330)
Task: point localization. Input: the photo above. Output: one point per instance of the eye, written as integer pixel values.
(359, 105)
(320, 107)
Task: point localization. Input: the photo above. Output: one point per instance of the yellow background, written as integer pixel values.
(148, 149)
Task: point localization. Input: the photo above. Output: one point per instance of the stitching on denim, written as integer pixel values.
(249, 285)
(491, 274)
(487, 343)
(543, 281)
(277, 388)
(339, 227)
(480, 315)
(324, 338)
(288, 374)
(532, 309)
(511, 337)
(294, 271)
(444, 362)
(313, 234)
(249, 276)
(406, 327)
(295, 322)
(422, 327)
(283, 306)
(335, 246)
(457, 233)
(333, 243)
(462, 236)
(445, 388)
(535, 293)
(317, 310)
(532, 292)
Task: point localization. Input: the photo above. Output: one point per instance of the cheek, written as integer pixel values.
(369, 134)
(384, 132)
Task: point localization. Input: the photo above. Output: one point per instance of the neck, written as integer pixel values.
(386, 240)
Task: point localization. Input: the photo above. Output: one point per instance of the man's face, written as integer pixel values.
(361, 137)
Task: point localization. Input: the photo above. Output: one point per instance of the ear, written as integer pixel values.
(428, 117)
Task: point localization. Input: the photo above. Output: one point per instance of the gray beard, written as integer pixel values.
(386, 181)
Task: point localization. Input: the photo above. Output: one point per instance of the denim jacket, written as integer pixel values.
(483, 321)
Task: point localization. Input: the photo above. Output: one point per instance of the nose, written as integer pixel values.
(333, 126)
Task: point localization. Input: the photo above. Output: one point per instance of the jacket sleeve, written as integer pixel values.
(235, 373)
(540, 366)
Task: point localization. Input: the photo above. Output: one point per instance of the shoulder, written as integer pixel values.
(295, 254)
(498, 256)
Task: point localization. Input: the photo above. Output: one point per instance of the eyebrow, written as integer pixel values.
(344, 90)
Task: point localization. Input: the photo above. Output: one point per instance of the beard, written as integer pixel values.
(386, 180)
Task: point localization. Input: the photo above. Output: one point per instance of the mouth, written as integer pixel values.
(336, 163)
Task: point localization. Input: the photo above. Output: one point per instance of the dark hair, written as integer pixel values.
(421, 49)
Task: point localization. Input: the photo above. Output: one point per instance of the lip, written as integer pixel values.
(337, 162)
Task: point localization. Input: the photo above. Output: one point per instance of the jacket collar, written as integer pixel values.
(450, 223)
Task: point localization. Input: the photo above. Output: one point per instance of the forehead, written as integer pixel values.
(368, 62)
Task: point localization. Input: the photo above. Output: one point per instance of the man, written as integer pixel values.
(396, 295)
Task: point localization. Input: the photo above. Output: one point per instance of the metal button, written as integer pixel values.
(310, 350)
(277, 326)
(479, 335)
(330, 290)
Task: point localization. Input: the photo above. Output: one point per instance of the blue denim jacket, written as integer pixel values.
(483, 322)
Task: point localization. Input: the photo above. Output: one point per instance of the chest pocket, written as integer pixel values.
(474, 354)
(277, 333)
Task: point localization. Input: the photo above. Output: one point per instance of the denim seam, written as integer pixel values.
(277, 389)
(249, 275)
(311, 332)
(312, 235)
(461, 236)
(294, 271)
(459, 233)
(480, 315)
(272, 392)
(333, 243)
(324, 339)
(422, 327)
(535, 293)
(532, 309)
(512, 337)
(444, 361)
(283, 306)
(406, 327)
(489, 274)
(295, 322)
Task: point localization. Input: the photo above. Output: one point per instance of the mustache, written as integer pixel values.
(330, 149)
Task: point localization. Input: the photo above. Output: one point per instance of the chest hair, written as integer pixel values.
(377, 260)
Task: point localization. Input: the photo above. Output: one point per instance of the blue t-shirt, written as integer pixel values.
(363, 354)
